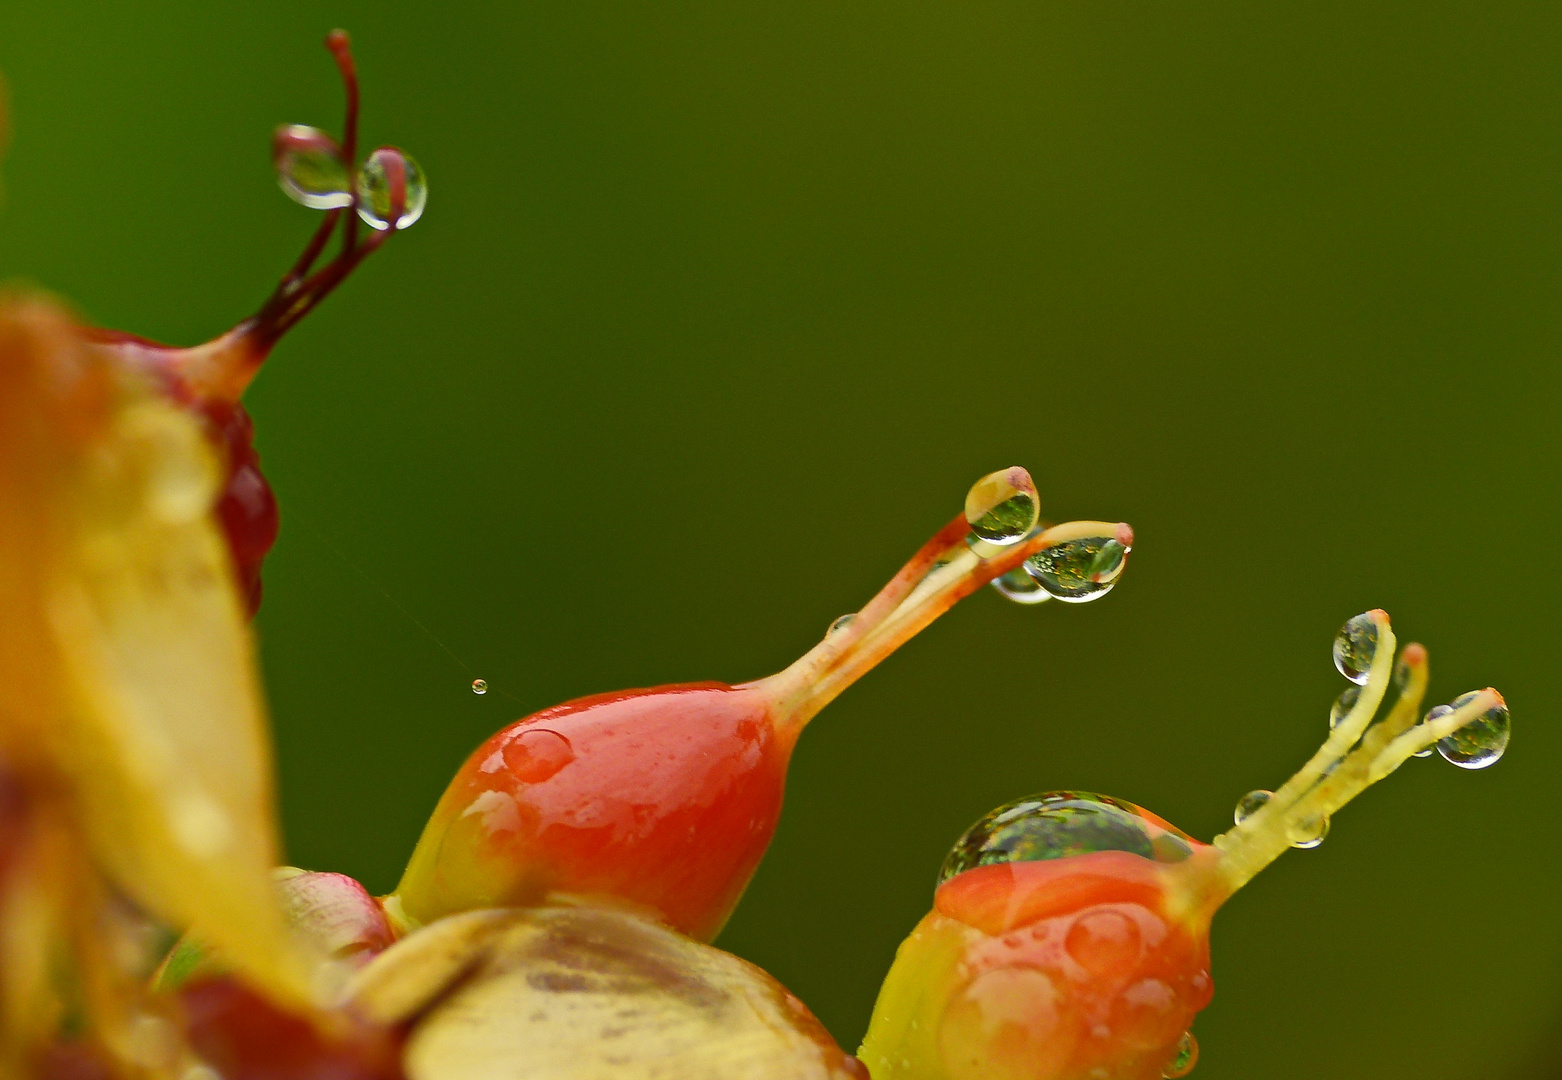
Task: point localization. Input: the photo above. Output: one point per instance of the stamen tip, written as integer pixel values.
(337, 39)
(1413, 654)
(1125, 534)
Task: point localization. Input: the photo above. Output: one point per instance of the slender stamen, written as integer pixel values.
(944, 571)
(1353, 758)
(222, 369)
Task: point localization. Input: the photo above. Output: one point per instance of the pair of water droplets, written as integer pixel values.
(314, 171)
(1002, 510)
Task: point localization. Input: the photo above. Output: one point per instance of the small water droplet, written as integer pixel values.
(1001, 507)
(1308, 832)
(1433, 714)
(1342, 705)
(479, 686)
(310, 167)
(1480, 742)
(1355, 646)
(533, 755)
(1078, 571)
(841, 623)
(1020, 587)
(383, 172)
(1186, 1057)
(1250, 804)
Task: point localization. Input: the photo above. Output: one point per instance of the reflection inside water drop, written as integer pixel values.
(1078, 571)
(1479, 743)
(1355, 646)
(479, 686)
(1250, 804)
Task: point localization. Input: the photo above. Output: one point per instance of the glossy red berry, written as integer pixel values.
(666, 798)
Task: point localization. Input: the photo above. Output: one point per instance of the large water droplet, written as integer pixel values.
(1186, 1057)
(383, 173)
(1060, 824)
(1020, 587)
(1355, 646)
(1343, 705)
(310, 167)
(479, 686)
(1308, 832)
(1250, 804)
(1001, 507)
(1077, 571)
(1480, 742)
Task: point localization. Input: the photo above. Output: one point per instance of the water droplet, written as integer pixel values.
(841, 623)
(1401, 674)
(1342, 705)
(1184, 1059)
(310, 167)
(1020, 587)
(535, 754)
(1480, 742)
(384, 172)
(479, 686)
(1059, 824)
(1250, 804)
(1308, 832)
(1077, 571)
(1433, 714)
(1001, 507)
(1354, 647)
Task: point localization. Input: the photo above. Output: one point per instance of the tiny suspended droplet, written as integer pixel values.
(841, 623)
(1308, 832)
(1342, 705)
(1186, 1057)
(390, 178)
(1480, 742)
(1020, 587)
(1250, 804)
(1078, 571)
(1002, 507)
(479, 686)
(1433, 714)
(310, 167)
(1355, 646)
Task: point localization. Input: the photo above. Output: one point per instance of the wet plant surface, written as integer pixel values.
(710, 316)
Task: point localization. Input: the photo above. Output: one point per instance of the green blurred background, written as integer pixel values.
(717, 310)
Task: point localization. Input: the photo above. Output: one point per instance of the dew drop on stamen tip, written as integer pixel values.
(1001, 507)
(1250, 804)
(479, 686)
(1078, 571)
(1479, 743)
(374, 189)
(1019, 586)
(1183, 1061)
(1354, 647)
